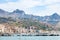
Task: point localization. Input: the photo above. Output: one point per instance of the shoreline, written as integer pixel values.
(29, 35)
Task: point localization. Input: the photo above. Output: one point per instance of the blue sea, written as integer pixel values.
(29, 37)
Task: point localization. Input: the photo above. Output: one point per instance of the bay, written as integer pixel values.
(29, 37)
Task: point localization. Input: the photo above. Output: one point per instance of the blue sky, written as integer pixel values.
(5, 1)
(35, 7)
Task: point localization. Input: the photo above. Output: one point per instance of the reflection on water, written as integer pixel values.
(29, 37)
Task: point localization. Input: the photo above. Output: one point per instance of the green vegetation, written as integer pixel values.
(26, 23)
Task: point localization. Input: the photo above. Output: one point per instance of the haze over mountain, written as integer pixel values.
(53, 19)
(20, 14)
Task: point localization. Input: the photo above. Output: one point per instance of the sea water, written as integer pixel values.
(29, 37)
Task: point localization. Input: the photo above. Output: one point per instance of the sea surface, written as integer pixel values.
(29, 37)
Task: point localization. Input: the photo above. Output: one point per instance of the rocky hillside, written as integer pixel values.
(19, 18)
(20, 14)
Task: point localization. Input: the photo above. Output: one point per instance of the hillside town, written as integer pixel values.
(18, 22)
(31, 31)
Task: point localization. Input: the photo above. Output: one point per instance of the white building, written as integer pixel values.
(2, 28)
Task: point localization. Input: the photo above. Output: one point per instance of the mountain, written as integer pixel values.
(18, 11)
(18, 19)
(20, 14)
(3, 13)
(52, 19)
(55, 16)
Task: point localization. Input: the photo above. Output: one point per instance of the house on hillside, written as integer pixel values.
(2, 28)
(32, 29)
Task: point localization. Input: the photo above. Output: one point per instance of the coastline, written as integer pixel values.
(6, 34)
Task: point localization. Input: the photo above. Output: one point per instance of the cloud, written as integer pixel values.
(35, 7)
(45, 9)
(23, 4)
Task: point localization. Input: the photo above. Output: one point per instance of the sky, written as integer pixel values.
(34, 7)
